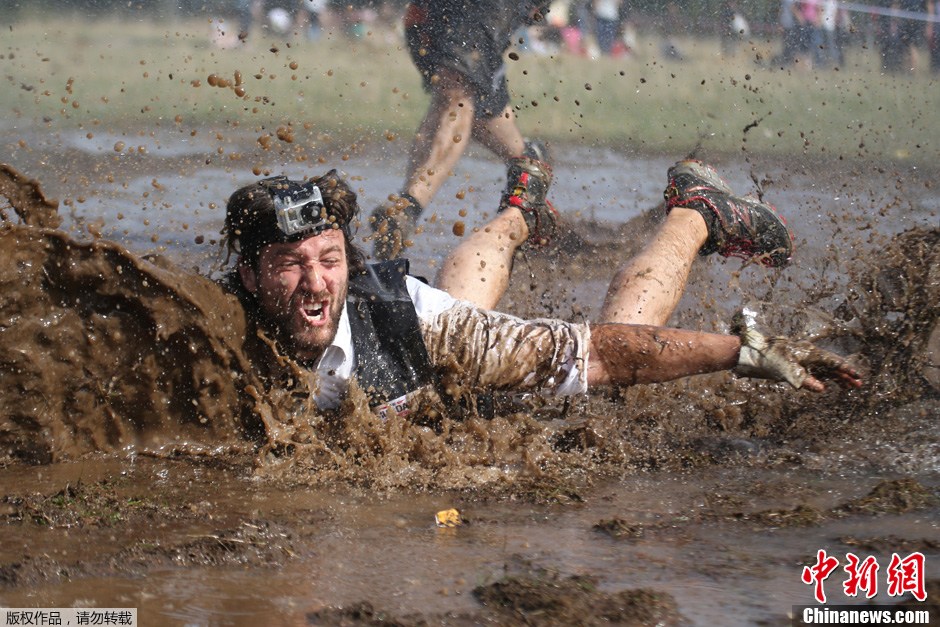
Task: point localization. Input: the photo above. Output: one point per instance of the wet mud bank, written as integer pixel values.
(102, 351)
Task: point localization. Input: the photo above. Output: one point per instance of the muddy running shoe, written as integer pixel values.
(737, 227)
(393, 224)
(538, 150)
(527, 183)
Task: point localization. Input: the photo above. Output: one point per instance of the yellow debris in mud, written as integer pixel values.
(448, 518)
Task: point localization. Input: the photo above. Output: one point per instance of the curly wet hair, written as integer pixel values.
(251, 222)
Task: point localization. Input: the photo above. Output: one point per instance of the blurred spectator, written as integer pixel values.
(245, 10)
(578, 33)
(571, 33)
(670, 25)
(845, 31)
(627, 28)
(231, 28)
(544, 37)
(312, 17)
(899, 36)
(607, 24)
(790, 22)
(911, 31)
(734, 27)
(353, 15)
(888, 41)
(933, 35)
(831, 44)
(811, 40)
(278, 16)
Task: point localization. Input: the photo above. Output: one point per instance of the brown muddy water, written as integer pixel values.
(143, 465)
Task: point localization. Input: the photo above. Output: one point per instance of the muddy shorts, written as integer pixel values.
(468, 37)
(499, 352)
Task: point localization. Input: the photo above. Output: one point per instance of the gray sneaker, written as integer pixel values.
(538, 150)
(737, 227)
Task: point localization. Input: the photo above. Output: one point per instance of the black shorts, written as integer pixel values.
(468, 37)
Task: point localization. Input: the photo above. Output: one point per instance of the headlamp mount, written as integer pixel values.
(298, 207)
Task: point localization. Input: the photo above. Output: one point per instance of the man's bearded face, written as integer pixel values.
(301, 287)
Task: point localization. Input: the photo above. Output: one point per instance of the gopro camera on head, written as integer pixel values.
(298, 207)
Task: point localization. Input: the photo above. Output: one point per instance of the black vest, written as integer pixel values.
(391, 358)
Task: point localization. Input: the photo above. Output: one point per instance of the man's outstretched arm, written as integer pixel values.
(626, 354)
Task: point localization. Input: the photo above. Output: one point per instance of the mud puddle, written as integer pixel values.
(195, 545)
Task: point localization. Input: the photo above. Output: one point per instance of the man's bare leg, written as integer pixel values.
(478, 269)
(439, 143)
(647, 289)
(437, 149)
(500, 135)
(644, 291)
(441, 139)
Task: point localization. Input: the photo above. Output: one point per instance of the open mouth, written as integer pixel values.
(315, 312)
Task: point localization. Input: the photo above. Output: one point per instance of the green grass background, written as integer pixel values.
(134, 76)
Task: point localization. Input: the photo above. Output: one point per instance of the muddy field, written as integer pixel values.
(142, 465)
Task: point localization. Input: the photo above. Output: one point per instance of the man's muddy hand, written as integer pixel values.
(798, 362)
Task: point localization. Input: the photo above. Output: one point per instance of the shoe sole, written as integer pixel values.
(701, 171)
(707, 179)
(761, 251)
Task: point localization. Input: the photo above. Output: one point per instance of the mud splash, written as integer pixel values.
(27, 200)
(105, 351)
